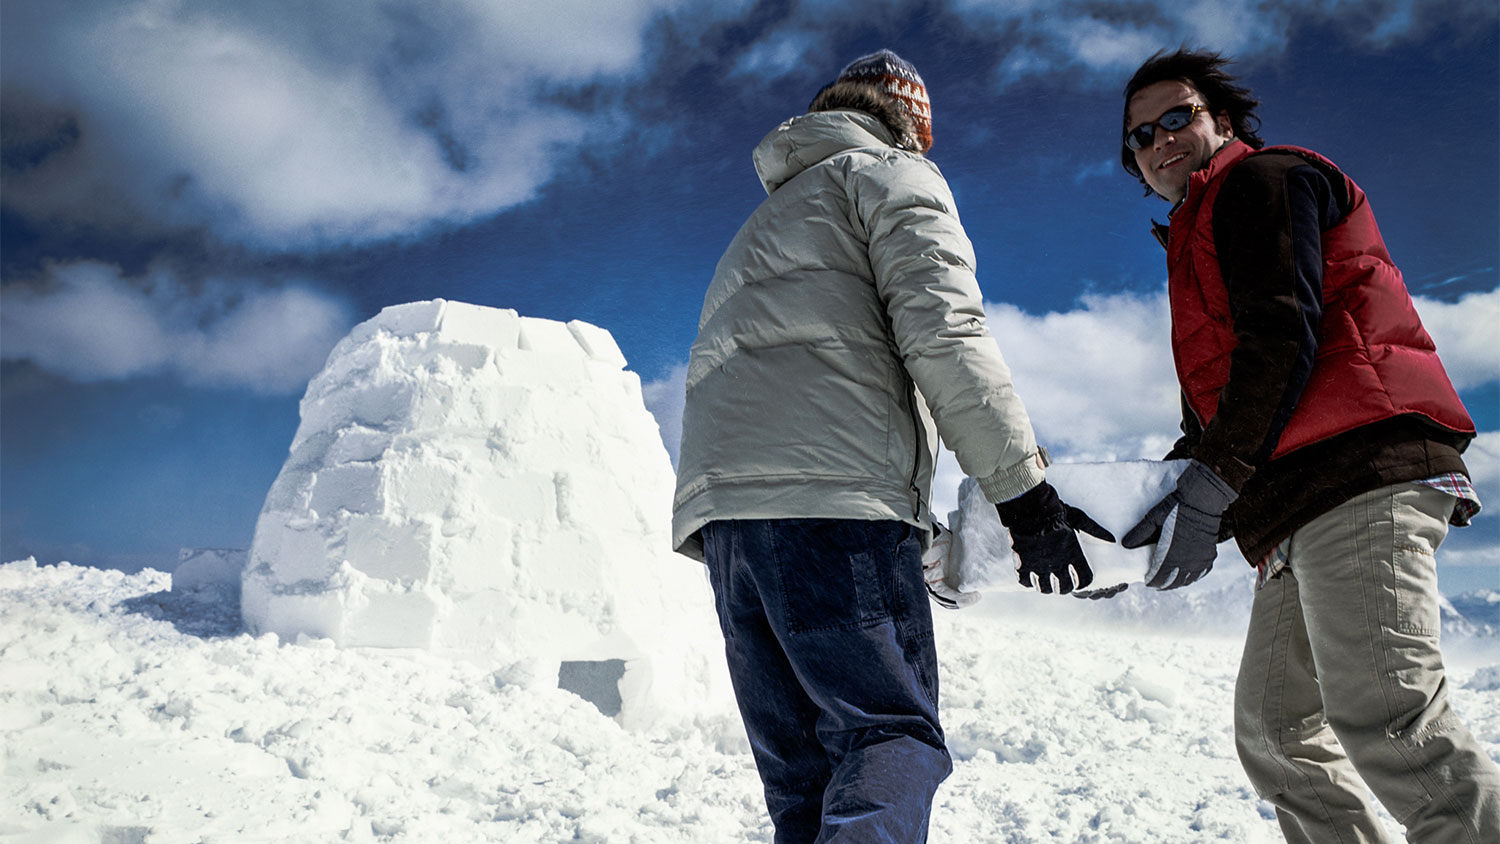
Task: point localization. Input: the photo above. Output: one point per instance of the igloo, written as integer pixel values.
(488, 486)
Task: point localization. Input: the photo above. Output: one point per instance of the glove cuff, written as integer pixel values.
(1201, 488)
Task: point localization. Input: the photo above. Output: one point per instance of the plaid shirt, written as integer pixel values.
(1452, 483)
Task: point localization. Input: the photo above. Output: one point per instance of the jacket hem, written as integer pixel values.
(751, 498)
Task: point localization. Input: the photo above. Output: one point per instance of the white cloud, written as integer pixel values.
(1483, 459)
(1237, 26)
(1107, 46)
(1098, 170)
(1106, 39)
(778, 55)
(89, 325)
(290, 125)
(1486, 554)
(1097, 381)
(1479, 544)
(1464, 332)
(665, 398)
(88, 322)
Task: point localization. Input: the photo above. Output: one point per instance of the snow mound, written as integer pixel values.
(487, 486)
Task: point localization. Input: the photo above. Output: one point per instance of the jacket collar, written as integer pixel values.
(805, 140)
(1228, 155)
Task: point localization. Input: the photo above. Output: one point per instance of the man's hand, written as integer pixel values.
(935, 572)
(1042, 534)
(1185, 527)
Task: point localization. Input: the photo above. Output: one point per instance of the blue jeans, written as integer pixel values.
(828, 635)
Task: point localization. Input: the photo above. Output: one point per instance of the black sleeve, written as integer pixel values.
(1268, 222)
(1191, 433)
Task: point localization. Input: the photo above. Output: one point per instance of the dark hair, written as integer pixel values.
(874, 101)
(1204, 70)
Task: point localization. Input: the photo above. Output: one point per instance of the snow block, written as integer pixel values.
(598, 343)
(489, 487)
(548, 337)
(410, 319)
(490, 328)
(1116, 495)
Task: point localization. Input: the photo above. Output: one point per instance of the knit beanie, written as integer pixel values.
(896, 77)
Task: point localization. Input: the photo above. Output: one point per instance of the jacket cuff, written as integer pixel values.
(1230, 469)
(1014, 480)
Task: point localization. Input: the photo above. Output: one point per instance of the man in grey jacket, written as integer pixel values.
(844, 331)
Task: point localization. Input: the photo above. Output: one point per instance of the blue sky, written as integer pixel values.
(199, 199)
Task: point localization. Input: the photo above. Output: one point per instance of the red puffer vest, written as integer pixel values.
(1374, 359)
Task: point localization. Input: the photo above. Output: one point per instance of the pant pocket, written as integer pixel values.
(834, 574)
(1415, 576)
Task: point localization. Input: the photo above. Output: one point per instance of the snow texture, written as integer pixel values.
(131, 713)
(487, 486)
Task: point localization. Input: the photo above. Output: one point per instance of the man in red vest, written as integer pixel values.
(1325, 436)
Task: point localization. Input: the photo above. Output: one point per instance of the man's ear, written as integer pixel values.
(1223, 126)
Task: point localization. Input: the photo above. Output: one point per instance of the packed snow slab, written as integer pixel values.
(1116, 495)
(490, 486)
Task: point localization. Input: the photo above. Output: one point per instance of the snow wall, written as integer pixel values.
(491, 487)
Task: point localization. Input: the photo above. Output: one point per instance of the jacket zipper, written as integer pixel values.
(916, 457)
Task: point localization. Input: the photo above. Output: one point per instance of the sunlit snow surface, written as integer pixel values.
(134, 714)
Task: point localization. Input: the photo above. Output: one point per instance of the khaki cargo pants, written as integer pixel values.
(1342, 674)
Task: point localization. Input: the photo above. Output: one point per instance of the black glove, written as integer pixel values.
(1042, 535)
(1185, 527)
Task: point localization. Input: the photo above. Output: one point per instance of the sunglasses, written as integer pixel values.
(1171, 120)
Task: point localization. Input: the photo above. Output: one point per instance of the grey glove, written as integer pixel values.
(1185, 527)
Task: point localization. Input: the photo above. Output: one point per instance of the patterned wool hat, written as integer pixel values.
(899, 79)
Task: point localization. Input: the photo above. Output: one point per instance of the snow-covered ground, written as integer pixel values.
(131, 713)
(484, 495)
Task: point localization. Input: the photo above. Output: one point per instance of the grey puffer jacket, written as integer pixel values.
(846, 298)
